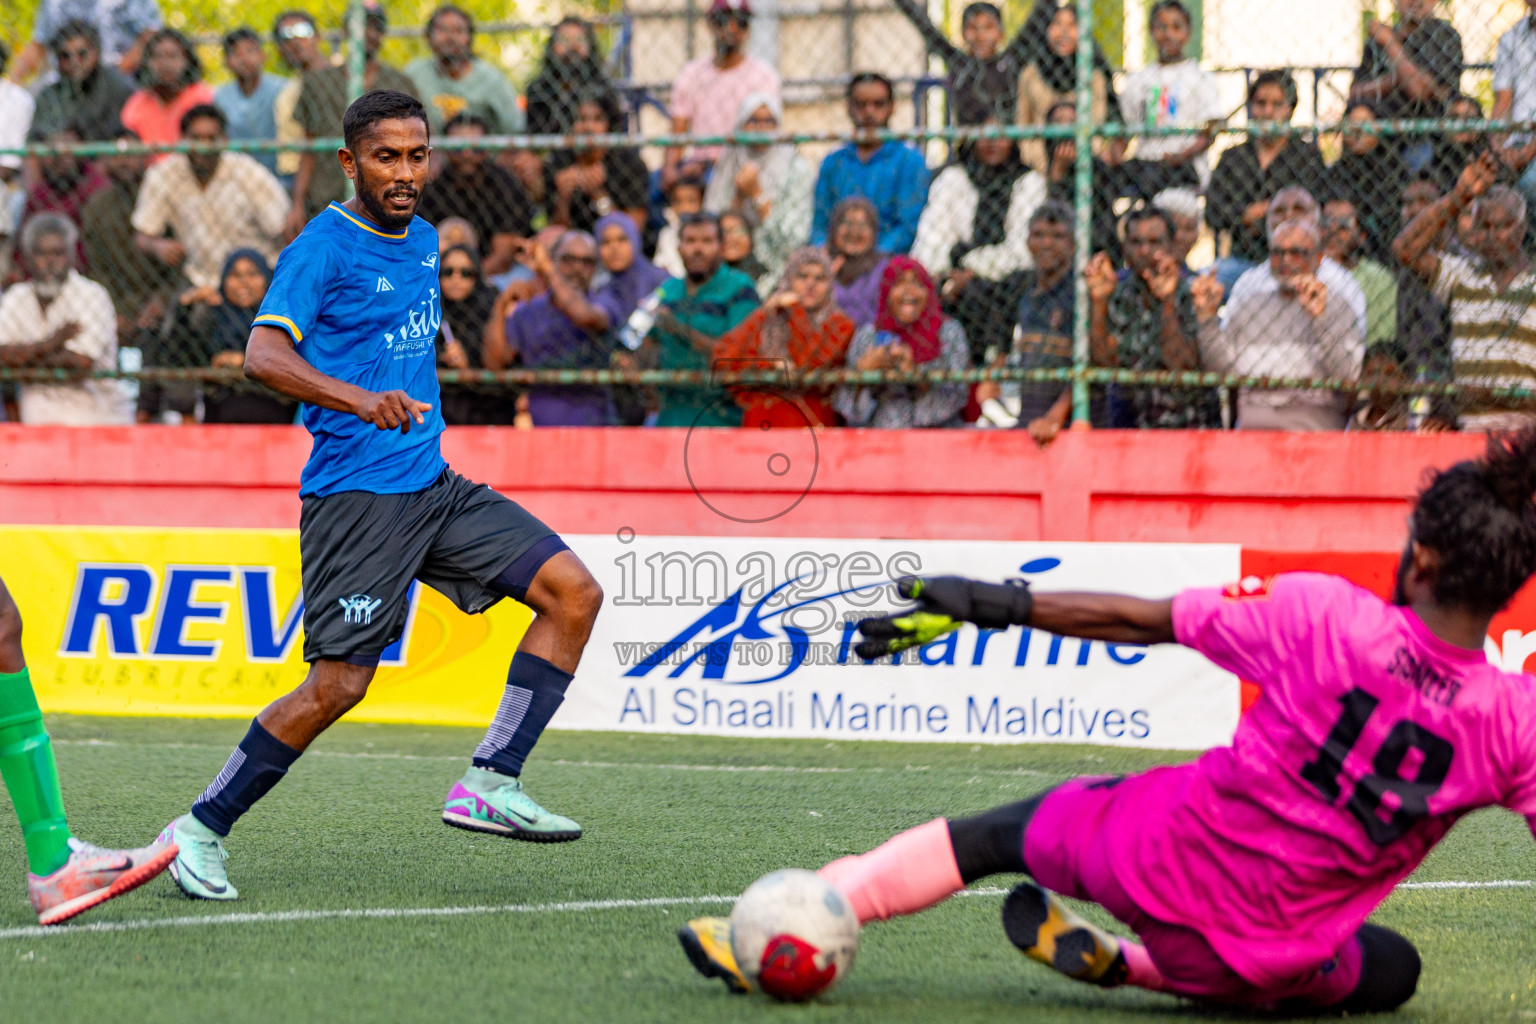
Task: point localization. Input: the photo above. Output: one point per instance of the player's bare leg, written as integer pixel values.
(490, 797)
(65, 877)
(277, 737)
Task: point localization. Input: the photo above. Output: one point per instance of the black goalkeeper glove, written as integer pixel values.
(943, 603)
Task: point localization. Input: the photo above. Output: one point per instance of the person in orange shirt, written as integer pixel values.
(800, 327)
(172, 84)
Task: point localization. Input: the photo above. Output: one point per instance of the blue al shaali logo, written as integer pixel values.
(358, 609)
(715, 655)
(713, 650)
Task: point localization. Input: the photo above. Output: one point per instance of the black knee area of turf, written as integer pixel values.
(1389, 973)
(992, 843)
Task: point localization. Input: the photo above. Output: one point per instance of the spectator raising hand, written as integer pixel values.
(1207, 293)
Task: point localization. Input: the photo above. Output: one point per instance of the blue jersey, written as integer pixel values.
(362, 305)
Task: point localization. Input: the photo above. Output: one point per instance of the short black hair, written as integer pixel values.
(981, 7)
(606, 100)
(687, 181)
(1054, 211)
(1170, 5)
(442, 9)
(5, 56)
(1462, 97)
(867, 77)
(201, 111)
(243, 34)
(1138, 214)
(465, 119)
(194, 70)
(1479, 517)
(1279, 77)
(689, 220)
(75, 28)
(380, 105)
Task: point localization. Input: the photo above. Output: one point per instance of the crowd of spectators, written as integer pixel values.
(1402, 259)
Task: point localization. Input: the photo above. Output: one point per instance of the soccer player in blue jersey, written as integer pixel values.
(348, 328)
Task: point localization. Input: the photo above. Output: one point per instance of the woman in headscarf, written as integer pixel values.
(591, 181)
(737, 249)
(977, 217)
(1370, 173)
(469, 302)
(772, 187)
(800, 327)
(910, 333)
(572, 66)
(1051, 77)
(243, 284)
(856, 263)
(631, 279)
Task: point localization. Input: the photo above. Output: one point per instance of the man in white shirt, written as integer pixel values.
(1292, 204)
(60, 319)
(1514, 96)
(214, 203)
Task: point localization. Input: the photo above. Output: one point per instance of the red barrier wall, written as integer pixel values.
(1277, 492)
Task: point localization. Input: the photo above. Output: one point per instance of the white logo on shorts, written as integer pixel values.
(359, 609)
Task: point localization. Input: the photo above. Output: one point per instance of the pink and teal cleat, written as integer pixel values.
(484, 801)
(92, 876)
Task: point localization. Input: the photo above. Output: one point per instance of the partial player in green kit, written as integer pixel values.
(65, 876)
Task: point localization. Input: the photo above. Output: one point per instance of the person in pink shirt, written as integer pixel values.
(1249, 873)
(708, 92)
(173, 84)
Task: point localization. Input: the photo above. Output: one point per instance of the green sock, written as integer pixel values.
(31, 777)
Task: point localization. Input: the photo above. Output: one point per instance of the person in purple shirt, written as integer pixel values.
(565, 328)
(856, 261)
(892, 175)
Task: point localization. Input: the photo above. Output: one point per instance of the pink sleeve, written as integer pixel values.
(1252, 627)
(683, 101)
(1521, 797)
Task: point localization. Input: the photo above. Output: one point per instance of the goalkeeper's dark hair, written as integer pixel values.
(1480, 517)
(380, 105)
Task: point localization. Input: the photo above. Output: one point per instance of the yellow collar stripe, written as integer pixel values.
(366, 227)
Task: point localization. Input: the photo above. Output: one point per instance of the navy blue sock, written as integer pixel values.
(535, 691)
(258, 763)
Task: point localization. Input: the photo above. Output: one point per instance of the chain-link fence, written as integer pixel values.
(1138, 214)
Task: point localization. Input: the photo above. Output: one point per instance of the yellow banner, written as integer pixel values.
(200, 622)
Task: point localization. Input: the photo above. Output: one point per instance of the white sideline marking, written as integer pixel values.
(564, 763)
(575, 906)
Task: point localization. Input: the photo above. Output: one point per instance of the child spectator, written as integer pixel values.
(684, 198)
(983, 81)
(1173, 93)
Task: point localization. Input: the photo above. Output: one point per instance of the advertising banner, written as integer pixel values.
(724, 636)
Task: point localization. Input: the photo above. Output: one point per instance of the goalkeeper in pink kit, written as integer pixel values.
(1249, 873)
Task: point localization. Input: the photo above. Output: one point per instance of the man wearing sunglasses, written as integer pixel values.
(122, 28)
(708, 92)
(298, 43)
(88, 94)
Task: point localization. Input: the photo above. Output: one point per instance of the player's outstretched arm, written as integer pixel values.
(944, 602)
(270, 359)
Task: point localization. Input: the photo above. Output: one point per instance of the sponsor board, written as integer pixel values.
(724, 636)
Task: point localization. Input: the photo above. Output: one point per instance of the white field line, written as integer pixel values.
(566, 763)
(575, 906)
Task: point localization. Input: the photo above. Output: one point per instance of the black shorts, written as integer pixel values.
(360, 551)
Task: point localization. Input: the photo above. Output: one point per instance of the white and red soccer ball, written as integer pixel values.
(793, 935)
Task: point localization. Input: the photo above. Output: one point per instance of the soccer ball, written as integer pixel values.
(793, 934)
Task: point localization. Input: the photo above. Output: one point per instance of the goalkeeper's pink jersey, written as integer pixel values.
(1371, 738)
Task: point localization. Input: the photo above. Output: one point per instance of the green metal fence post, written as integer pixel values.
(1082, 204)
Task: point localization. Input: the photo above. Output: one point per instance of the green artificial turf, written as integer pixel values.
(355, 827)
